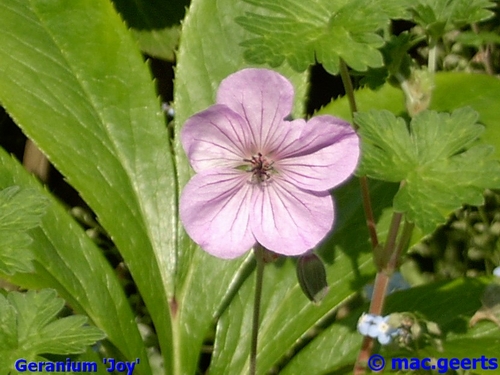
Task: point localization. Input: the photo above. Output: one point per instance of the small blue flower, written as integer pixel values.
(376, 326)
(386, 331)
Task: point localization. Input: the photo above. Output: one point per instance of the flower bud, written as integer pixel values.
(311, 274)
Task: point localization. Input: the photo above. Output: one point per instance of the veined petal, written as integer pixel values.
(262, 97)
(215, 210)
(216, 137)
(324, 155)
(288, 220)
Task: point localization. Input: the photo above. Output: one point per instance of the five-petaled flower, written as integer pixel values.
(260, 177)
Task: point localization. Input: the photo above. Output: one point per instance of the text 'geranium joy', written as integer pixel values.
(260, 177)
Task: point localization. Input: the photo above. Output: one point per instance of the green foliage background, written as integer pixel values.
(73, 78)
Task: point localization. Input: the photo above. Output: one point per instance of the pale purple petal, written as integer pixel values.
(215, 210)
(323, 156)
(262, 97)
(282, 199)
(216, 137)
(290, 221)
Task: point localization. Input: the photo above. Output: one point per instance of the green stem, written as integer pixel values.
(431, 64)
(403, 244)
(349, 89)
(259, 276)
(365, 192)
(383, 275)
(367, 207)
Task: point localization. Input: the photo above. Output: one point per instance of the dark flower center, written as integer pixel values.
(261, 167)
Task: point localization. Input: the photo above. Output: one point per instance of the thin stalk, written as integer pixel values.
(367, 207)
(376, 307)
(403, 244)
(349, 89)
(431, 63)
(379, 291)
(365, 192)
(259, 277)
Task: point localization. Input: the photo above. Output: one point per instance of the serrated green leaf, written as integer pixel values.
(385, 131)
(397, 61)
(65, 336)
(8, 334)
(159, 43)
(36, 330)
(20, 211)
(15, 206)
(470, 38)
(439, 16)
(438, 172)
(67, 260)
(324, 31)
(74, 80)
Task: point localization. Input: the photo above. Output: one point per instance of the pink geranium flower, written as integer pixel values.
(260, 177)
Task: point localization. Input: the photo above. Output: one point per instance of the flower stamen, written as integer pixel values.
(260, 167)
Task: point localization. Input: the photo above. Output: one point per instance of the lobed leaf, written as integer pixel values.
(324, 31)
(20, 211)
(439, 167)
(438, 16)
(30, 327)
(470, 38)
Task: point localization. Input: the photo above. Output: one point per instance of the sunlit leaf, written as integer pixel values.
(439, 16)
(304, 32)
(439, 168)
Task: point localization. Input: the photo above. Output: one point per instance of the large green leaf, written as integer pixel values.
(67, 260)
(209, 52)
(287, 315)
(72, 78)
